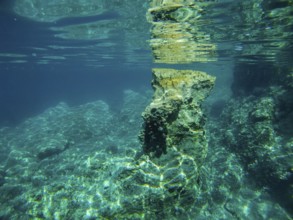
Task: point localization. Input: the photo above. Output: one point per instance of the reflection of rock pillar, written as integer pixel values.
(175, 33)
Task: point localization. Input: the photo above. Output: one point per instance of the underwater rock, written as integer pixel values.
(250, 133)
(51, 148)
(174, 143)
(174, 115)
(256, 124)
(257, 121)
(253, 132)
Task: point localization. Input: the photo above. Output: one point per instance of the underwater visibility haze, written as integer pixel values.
(146, 109)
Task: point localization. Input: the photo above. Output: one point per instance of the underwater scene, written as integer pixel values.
(146, 109)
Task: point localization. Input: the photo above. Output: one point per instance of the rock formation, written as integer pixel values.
(173, 137)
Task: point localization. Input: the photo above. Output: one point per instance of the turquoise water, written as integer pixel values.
(75, 78)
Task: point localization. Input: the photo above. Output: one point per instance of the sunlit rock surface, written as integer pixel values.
(174, 116)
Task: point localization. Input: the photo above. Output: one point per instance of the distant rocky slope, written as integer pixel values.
(256, 125)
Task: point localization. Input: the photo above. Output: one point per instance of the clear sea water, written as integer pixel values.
(78, 52)
(40, 67)
(75, 57)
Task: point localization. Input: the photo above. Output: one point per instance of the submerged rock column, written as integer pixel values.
(173, 139)
(174, 119)
(174, 142)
